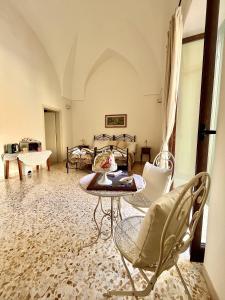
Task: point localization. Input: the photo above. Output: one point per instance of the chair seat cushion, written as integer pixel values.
(139, 200)
(125, 237)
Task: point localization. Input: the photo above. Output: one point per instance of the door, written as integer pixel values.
(197, 103)
(50, 135)
(204, 130)
(188, 106)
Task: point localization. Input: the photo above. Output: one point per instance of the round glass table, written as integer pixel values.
(114, 213)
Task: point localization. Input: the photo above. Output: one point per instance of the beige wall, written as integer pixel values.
(115, 88)
(215, 247)
(27, 82)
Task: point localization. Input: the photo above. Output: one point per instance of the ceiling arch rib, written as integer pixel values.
(55, 23)
(103, 57)
(66, 81)
(135, 31)
(123, 39)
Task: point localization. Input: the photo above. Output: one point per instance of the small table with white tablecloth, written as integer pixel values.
(31, 158)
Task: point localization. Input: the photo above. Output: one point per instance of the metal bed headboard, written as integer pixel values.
(120, 137)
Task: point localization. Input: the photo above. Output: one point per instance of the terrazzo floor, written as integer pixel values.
(45, 221)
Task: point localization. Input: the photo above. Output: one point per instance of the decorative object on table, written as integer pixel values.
(11, 148)
(121, 155)
(118, 183)
(126, 180)
(115, 174)
(146, 151)
(116, 121)
(146, 143)
(154, 242)
(30, 144)
(104, 163)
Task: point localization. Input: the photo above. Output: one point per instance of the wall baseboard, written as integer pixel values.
(212, 291)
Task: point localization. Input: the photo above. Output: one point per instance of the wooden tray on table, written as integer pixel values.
(115, 186)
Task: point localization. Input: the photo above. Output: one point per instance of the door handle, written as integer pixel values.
(203, 132)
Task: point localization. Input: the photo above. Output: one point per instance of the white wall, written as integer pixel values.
(27, 83)
(215, 246)
(115, 88)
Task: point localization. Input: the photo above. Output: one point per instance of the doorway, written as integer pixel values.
(52, 134)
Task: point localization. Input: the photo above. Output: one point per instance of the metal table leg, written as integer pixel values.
(111, 214)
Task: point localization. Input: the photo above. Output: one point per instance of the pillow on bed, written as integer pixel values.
(100, 144)
(122, 144)
(131, 147)
(112, 143)
(77, 151)
(117, 154)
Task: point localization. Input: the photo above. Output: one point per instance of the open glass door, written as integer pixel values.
(188, 110)
(197, 113)
(214, 116)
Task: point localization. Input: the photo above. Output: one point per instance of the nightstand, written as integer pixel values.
(146, 151)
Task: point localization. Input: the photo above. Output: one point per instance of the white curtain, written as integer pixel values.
(174, 50)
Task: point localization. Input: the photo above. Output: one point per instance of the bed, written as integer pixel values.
(123, 147)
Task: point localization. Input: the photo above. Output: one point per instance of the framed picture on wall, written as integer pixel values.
(119, 121)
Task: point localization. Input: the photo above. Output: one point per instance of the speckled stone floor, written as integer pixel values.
(44, 223)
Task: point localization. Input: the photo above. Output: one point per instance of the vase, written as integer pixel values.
(104, 180)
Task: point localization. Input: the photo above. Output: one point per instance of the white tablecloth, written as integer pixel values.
(10, 157)
(34, 158)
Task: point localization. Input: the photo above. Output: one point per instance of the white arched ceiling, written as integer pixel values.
(105, 55)
(122, 38)
(135, 29)
(66, 84)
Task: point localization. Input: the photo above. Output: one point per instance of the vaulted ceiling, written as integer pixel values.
(79, 34)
